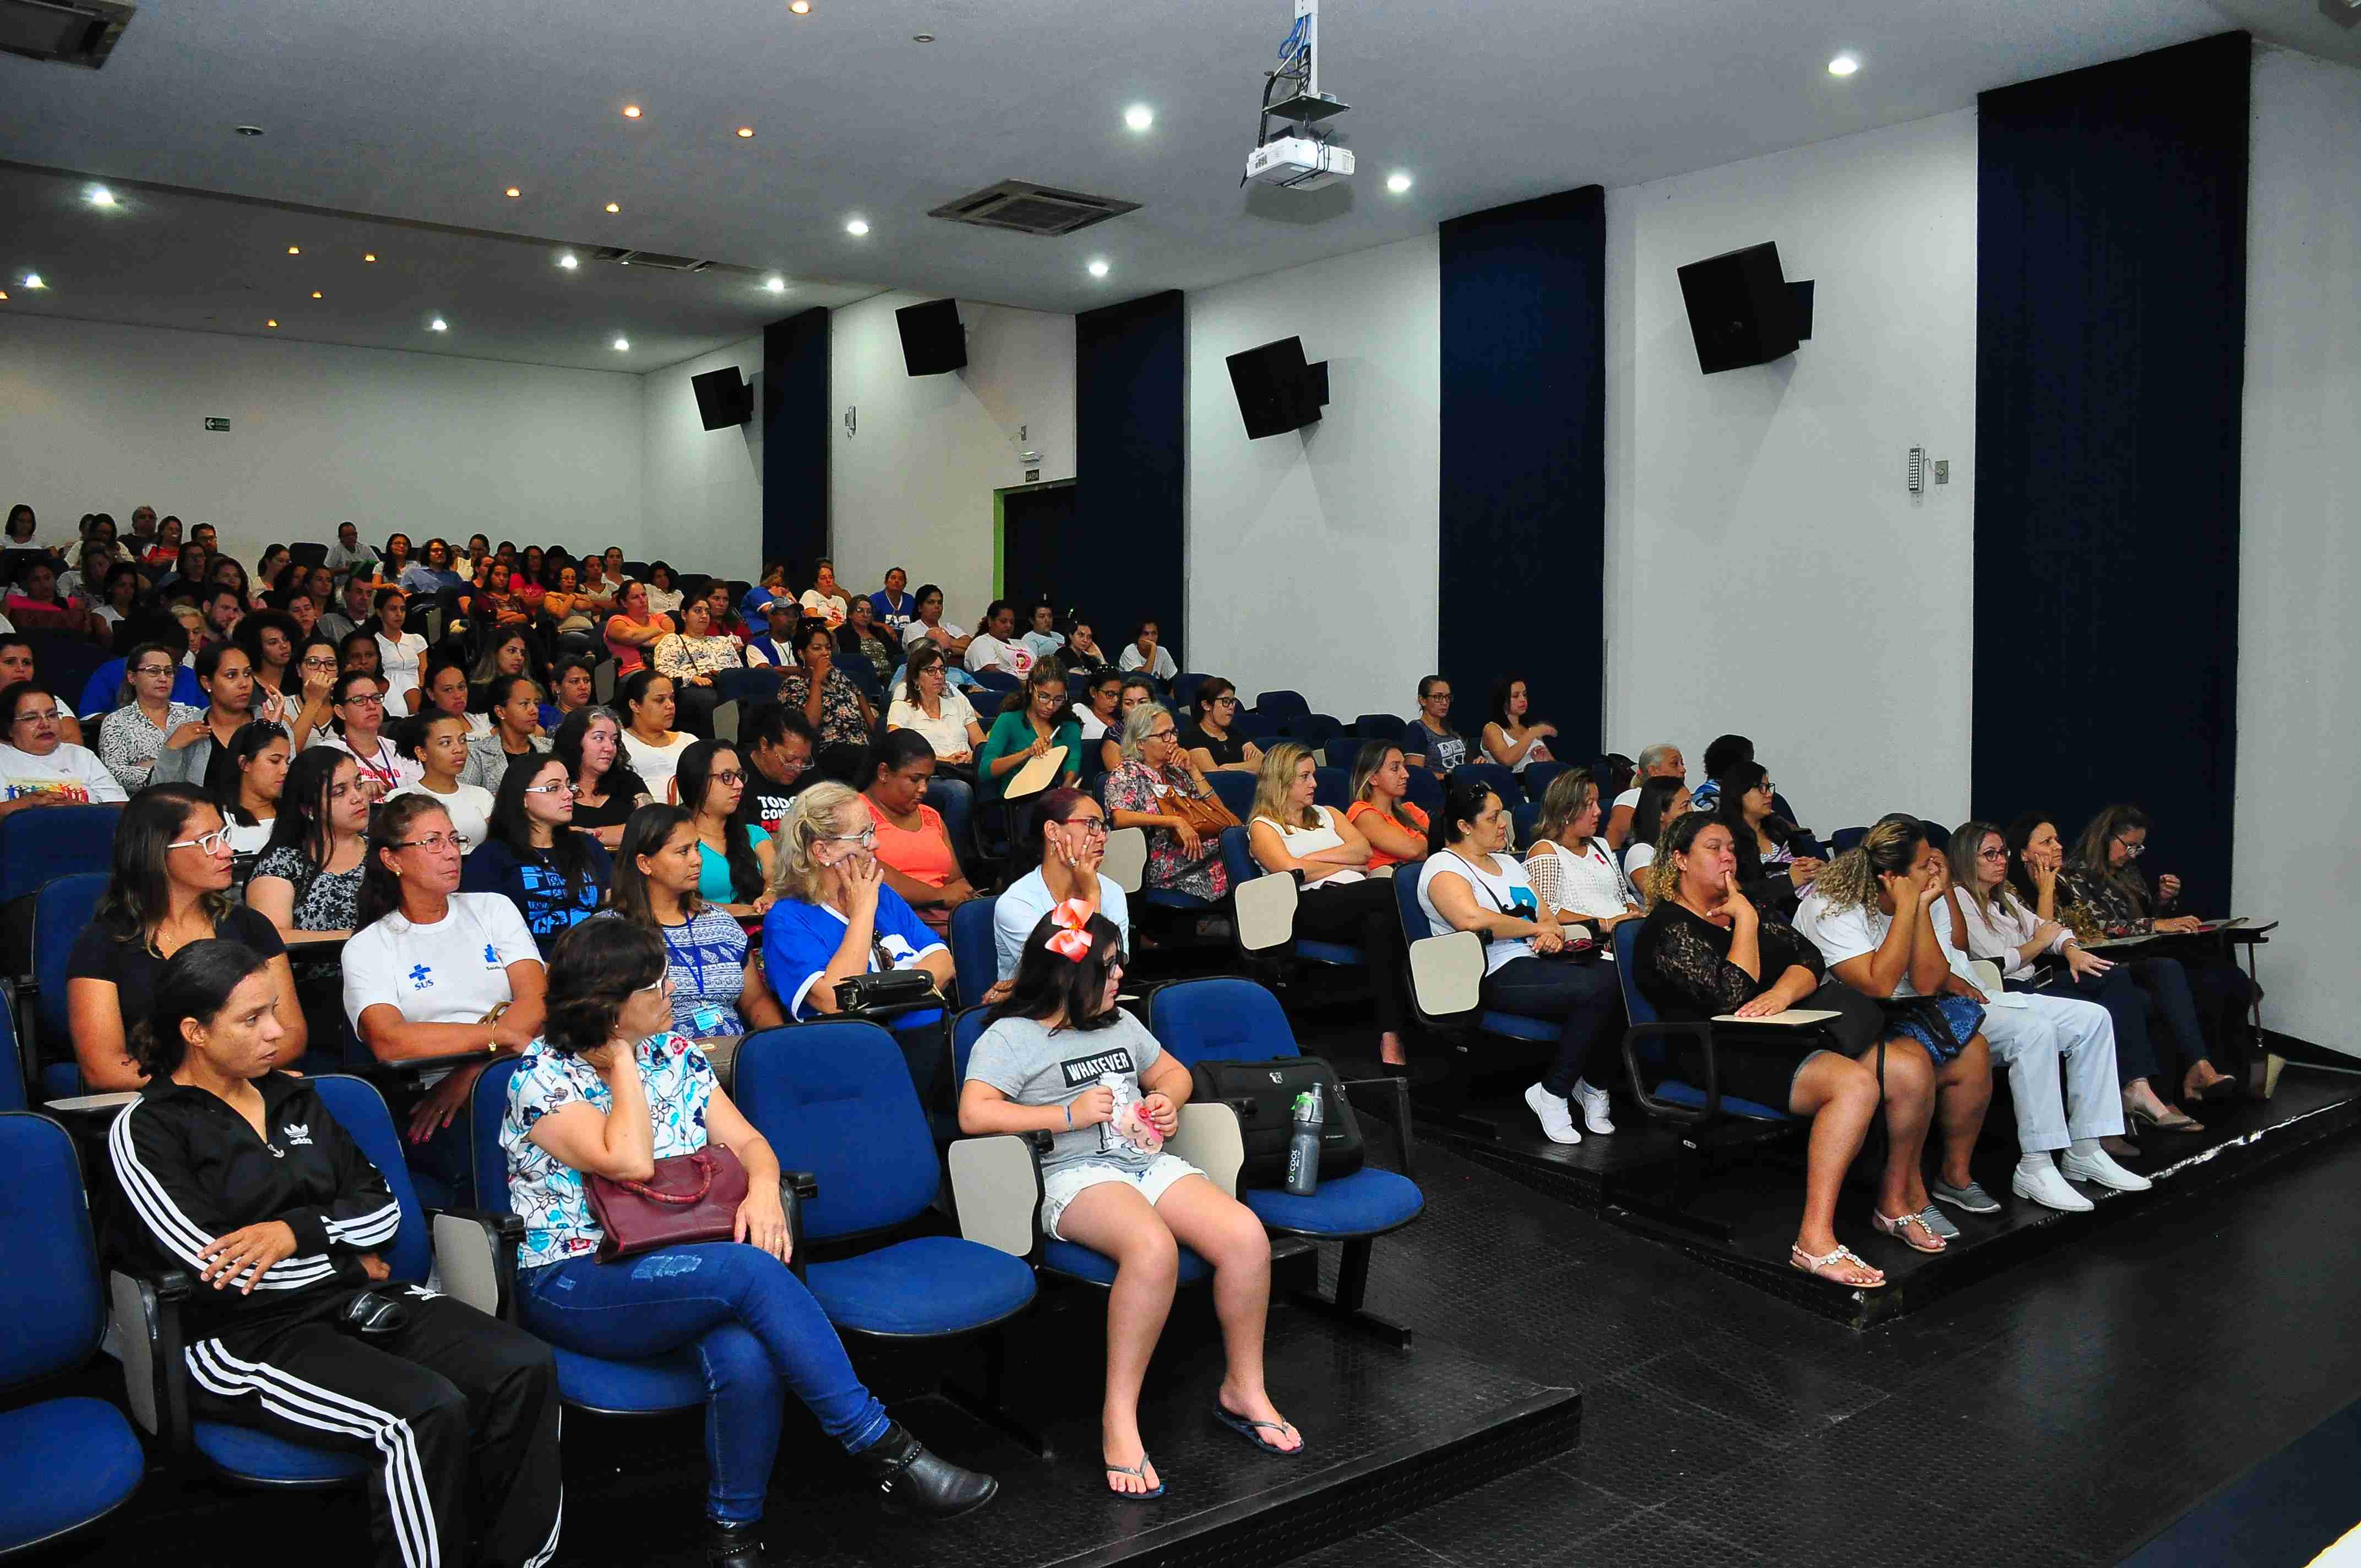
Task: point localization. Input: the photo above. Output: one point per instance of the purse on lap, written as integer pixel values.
(689, 1197)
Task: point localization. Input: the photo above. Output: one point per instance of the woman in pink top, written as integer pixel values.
(914, 848)
(632, 630)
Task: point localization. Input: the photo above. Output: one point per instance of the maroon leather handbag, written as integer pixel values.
(689, 1197)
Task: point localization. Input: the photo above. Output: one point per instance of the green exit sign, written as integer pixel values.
(217, 424)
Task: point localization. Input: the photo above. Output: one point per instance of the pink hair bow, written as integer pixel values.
(1073, 937)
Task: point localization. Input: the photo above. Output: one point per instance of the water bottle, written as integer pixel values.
(1303, 1147)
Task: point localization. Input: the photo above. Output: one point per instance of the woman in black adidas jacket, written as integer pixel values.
(238, 1175)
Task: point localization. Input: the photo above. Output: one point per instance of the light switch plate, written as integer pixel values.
(1942, 470)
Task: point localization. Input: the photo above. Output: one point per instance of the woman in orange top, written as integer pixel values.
(1395, 828)
(913, 848)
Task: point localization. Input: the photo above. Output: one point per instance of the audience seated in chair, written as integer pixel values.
(400, 653)
(232, 699)
(1071, 831)
(1513, 737)
(650, 744)
(1157, 788)
(633, 629)
(835, 917)
(1396, 828)
(825, 696)
(1213, 742)
(778, 747)
(610, 1091)
(1033, 720)
(532, 856)
(1769, 868)
(1147, 654)
(717, 983)
(605, 788)
(1099, 710)
(512, 704)
(1661, 761)
(913, 848)
(38, 766)
(1703, 952)
(824, 600)
(1572, 873)
(253, 766)
(239, 1174)
(1108, 1185)
(307, 881)
(936, 709)
(358, 729)
(1470, 883)
(1663, 802)
(928, 627)
(996, 646)
(1433, 744)
(696, 657)
(437, 742)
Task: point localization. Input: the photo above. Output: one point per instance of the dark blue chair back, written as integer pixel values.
(66, 661)
(1315, 729)
(14, 1091)
(1094, 764)
(487, 1107)
(1416, 927)
(1538, 777)
(975, 955)
(1236, 792)
(953, 806)
(1636, 1006)
(1425, 792)
(1219, 1020)
(1237, 857)
(1185, 684)
(1386, 727)
(1936, 834)
(361, 1111)
(1332, 787)
(60, 911)
(835, 1098)
(39, 847)
(966, 1029)
(1497, 779)
(1524, 817)
(1281, 705)
(1342, 752)
(55, 1311)
(1256, 727)
(996, 680)
(1844, 839)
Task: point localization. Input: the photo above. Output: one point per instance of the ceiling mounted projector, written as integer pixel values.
(1298, 156)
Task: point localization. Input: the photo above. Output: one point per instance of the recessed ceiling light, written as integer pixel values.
(1098, 269)
(1843, 65)
(514, 192)
(33, 280)
(294, 250)
(630, 111)
(100, 196)
(567, 261)
(1398, 181)
(272, 321)
(622, 344)
(368, 255)
(438, 324)
(800, 8)
(613, 208)
(746, 132)
(776, 285)
(247, 130)
(315, 294)
(857, 226)
(922, 37)
(1139, 116)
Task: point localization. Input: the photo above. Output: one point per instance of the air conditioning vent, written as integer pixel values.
(71, 32)
(650, 258)
(1023, 207)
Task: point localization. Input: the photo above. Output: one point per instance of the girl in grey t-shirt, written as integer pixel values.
(1061, 1058)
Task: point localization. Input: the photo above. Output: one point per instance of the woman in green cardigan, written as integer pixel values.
(1034, 719)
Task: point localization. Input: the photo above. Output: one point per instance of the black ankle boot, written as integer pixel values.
(734, 1545)
(915, 1481)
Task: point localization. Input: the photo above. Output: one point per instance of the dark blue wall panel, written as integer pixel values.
(795, 432)
(1130, 466)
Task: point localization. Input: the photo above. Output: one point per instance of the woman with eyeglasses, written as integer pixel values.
(914, 848)
(314, 678)
(169, 887)
(835, 917)
(514, 709)
(825, 696)
(1033, 721)
(1210, 742)
(437, 974)
(1434, 744)
(695, 658)
(1108, 1183)
(130, 738)
(734, 857)
(718, 986)
(1772, 874)
(858, 638)
(1148, 790)
(1073, 831)
(532, 856)
(399, 654)
(307, 883)
(38, 766)
(930, 706)
(1100, 708)
(437, 742)
(605, 791)
(358, 703)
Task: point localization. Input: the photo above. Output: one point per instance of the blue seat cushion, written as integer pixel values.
(1364, 1203)
(1517, 1027)
(931, 1284)
(1329, 953)
(71, 1461)
(1081, 1263)
(243, 1451)
(673, 1381)
(1687, 1094)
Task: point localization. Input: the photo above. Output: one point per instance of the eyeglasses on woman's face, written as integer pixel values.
(37, 715)
(867, 838)
(563, 786)
(730, 776)
(213, 843)
(1089, 827)
(2132, 848)
(149, 672)
(1992, 854)
(436, 843)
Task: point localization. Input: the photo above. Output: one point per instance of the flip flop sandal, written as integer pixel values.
(1898, 1230)
(1137, 1472)
(1798, 1259)
(1248, 1429)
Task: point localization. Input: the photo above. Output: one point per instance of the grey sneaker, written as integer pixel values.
(1970, 1200)
(1935, 1221)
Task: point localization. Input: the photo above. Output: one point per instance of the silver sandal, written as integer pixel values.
(1798, 1259)
(1896, 1227)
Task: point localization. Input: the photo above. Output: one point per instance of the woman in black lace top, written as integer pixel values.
(1705, 951)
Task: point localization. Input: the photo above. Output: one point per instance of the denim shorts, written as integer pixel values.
(1063, 1185)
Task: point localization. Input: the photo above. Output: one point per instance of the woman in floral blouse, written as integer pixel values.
(1146, 792)
(823, 693)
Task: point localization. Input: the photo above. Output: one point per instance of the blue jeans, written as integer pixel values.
(758, 1333)
(1584, 997)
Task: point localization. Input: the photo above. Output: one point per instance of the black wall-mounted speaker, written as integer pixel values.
(1741, 311)
(723, 398)
(932, 339)
(1277, 392)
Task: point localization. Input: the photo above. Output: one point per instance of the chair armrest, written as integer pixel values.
(1446, 974)
(797, 1188)
(145, 1313)
(996, 1192)
(1396, 1090)
(475, 1255)
(1703, 1036)
(1209, 1138)
(1265, 912)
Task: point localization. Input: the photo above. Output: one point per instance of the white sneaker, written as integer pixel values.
(1557, 1121)
(2041, 1184)
(1595, 1105)
(2098, 1166)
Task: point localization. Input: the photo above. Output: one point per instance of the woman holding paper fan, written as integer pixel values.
(1033, 722)
(1705, 952)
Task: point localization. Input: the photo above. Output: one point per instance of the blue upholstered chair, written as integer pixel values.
(1538, 777)
(1281, 705)
(1236, 1020)
(1386, 727)
(1662, 1084)
(1259, 728)
(1332, 787)
(1446, 971)
(148, 1327)
(60, 910)
(17, 1085)
(975, 953)
(1844, 839)
(1264, 908)
(71, 1461)
(1315, 729)
(1425, 792)
(1341, 751)
(1184, 687)
(1498, 779)
(1524, 818)
(1236, 792)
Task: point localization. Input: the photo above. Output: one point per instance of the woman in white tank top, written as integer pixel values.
(1568, 863)
(1513, 739)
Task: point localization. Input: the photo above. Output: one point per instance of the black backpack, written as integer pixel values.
(1263, 1094)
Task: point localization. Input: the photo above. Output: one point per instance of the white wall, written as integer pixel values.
(1757, 519)
(702, 488)
(912, 487)
(1333, 527)
(103, 418)
(2299, 809)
